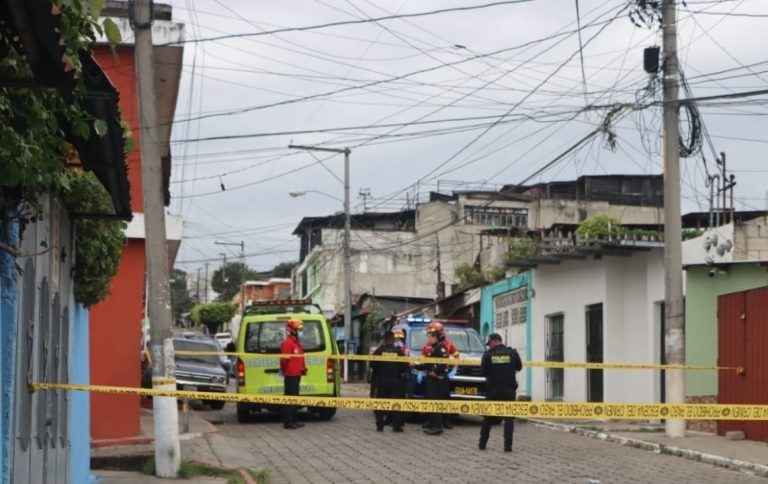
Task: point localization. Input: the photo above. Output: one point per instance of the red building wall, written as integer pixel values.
(115, 349)
(115, 324)
(121, 72)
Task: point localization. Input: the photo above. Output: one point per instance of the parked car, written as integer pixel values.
(469, 382)
(224, 338)
(200, 373)
(226, 361)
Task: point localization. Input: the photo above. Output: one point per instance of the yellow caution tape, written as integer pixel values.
(558, 410)
(388, 358)
(474, 361)
(623, 366)
(163, 381)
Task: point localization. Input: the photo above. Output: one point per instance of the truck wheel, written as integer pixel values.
(215, 404)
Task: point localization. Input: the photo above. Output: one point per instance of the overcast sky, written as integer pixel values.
(482, 96)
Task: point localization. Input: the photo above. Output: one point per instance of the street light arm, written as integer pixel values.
(345, 151)
(304, 192)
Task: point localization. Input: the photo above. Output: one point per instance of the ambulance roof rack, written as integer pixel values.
(281, 307)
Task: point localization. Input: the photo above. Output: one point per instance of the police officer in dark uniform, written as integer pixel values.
(438, 384)
(499, 364)
(388, 378)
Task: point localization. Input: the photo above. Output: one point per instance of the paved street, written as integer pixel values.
(348, 449)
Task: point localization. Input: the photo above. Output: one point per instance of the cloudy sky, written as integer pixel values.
(486, 95)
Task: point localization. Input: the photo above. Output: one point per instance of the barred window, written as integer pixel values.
(496, 216)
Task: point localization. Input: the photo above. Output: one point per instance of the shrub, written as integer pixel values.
(601, 226)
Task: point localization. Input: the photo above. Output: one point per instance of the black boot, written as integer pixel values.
(481, 445)
(507, 446)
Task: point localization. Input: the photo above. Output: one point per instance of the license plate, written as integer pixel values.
(465, 391)
(189, 388)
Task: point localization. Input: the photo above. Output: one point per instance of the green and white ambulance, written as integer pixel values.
(262, 331)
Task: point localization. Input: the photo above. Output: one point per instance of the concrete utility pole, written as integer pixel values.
(346, 250)
(673, 263)
(167, 449)
(206, 283)
(242, 272)
(197, 286)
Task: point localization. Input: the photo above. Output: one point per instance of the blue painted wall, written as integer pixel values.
(486, 312)
(79, 407)
(8, 297)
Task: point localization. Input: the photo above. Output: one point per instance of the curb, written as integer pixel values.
(716, 460)
(148, 439)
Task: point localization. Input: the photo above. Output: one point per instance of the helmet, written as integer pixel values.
(437, 328)
(294, 326)
(399, 333)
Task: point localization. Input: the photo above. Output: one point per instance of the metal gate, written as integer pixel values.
(594, 323)
(555, 351)
(40, 420)
(742, 324)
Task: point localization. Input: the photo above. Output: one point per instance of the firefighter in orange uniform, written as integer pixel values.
(292, 368)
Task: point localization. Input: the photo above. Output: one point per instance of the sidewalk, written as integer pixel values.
(746, 456)
(110, 456)
(197, 427)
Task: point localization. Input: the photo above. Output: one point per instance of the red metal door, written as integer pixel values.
(730, 337)
(755, 340)
(742, 337)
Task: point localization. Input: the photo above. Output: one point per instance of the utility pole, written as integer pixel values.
(346, 250)
(197, 286)
(242, 272)
(440, 288)
(365, 194)
(206, 283)
(673, 265)
(166, 416)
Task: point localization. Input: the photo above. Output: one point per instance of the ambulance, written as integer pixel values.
(262, 332)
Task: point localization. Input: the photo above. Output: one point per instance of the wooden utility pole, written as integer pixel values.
(167, 449)
(673, 265)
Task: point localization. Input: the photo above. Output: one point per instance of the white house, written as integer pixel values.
(600, 303)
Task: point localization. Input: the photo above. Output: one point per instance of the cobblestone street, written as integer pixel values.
(348, 449)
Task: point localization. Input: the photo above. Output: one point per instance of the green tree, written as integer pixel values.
(34, 122)
(284, 269)
(180, 300)
(226, 279)
(213, 315)
(98, 242)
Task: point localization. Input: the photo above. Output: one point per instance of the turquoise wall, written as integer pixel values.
(486, 312)
(8, 296)
(79, 402)
(701, 317)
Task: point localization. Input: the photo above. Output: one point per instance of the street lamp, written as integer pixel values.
(301, 193)
(347, 264)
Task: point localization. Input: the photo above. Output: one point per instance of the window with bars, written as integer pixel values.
(554, 352)
(496, 216)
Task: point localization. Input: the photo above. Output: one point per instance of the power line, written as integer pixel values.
(381, 81)
(344, 22)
